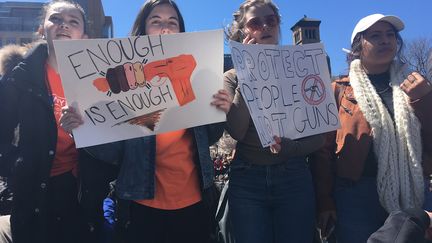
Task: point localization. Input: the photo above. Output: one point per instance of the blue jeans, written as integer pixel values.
(273, 203)
(427, 205)
(359, 212)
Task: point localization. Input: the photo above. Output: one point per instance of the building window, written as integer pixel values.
(296, 37)
(107, 30)
(308, 34)
(10, 41)
(25, 40)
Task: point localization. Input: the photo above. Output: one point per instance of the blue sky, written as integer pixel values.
(338, 18)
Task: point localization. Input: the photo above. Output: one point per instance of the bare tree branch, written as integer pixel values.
(418, 54)
(429, 67)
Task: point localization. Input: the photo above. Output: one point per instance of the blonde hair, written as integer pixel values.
(234, 30)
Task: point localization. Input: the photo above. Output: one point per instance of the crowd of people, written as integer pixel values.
(368, 181)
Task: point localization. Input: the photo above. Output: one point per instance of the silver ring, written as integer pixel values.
(411, 78)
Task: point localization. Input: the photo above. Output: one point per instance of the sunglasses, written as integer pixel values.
(257, 23)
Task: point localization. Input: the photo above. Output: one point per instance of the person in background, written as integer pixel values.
(375, 163)
(270, 194)
(47, 174)
(167, 178)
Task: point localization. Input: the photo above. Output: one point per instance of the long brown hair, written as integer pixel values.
(139, 27)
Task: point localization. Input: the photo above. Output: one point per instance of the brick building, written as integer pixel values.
(19, 21)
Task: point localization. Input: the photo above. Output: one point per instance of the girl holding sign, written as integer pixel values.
(166, 179)
(271, 196)
(374, 164)
(38, 154)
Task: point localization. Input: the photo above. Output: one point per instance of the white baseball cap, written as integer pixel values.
(366, 22)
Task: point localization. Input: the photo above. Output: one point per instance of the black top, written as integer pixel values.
(406, 226)
(381, 84)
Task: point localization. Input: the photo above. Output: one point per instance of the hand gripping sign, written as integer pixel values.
(141, 85)
(286, 89)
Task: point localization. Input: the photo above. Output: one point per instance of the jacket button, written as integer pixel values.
(36, 210)
(18, 160)
(91, 227)
(1, 155)
(51, 152)
(30, 90)
(43, 185)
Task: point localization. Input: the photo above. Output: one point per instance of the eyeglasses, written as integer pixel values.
(257, 23)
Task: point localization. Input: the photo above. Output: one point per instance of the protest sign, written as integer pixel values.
(138, 86)
(286, 88)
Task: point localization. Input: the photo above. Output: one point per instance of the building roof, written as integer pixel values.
(306, 22)
(13, 4)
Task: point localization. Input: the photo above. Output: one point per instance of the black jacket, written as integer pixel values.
(28, 137)
(406, 226)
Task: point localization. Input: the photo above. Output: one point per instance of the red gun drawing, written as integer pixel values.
(177, 69)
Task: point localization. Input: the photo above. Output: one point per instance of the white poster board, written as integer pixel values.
(286, 88)
(138, 86)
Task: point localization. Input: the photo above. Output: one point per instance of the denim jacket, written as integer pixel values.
(136, 179)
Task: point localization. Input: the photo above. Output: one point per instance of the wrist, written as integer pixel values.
(430, 218)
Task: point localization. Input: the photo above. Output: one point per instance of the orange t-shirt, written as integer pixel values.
(66, 157)
(177, 184)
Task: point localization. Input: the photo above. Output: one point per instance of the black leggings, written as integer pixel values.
(65, 222)
(186, 225)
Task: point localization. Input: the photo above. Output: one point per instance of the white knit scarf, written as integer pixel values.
(397, 145)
